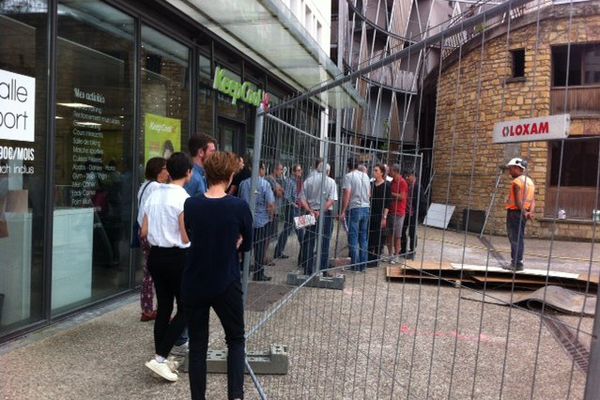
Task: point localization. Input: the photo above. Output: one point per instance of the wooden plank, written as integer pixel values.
(529, 271)
(434, 265)
(496, 279)
(400, 273)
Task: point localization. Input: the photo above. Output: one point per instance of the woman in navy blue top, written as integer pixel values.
(219, 227)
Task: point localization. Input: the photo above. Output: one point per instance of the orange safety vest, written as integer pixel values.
(527, 189)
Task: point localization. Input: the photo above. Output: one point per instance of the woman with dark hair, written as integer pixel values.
(219, 226)
(164, 229)
(156, 173)
(381, 198)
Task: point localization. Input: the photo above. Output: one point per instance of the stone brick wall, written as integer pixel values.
(475, 92)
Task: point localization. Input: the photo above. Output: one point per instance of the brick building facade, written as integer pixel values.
(513, 71)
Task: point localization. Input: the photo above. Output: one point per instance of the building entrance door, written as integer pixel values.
(229, 135)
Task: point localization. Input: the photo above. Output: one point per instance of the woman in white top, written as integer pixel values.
(164, 229)
(156, 173)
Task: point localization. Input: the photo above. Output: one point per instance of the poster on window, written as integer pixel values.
(162, 136)
(17, 107)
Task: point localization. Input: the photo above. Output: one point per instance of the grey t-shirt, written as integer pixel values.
(312, 190)
(360, 187)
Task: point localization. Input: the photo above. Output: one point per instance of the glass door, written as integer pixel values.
(229, 134)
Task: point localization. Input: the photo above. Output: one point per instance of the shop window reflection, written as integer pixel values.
(23, 52)
(165, 94)
(91, 229)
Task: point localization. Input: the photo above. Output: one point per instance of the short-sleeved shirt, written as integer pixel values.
(163, 208)
(312, 190)
(214, 226)
(398, 207)
(294, 192)
(360, 189)
(145, 190)
(381, 198)
(264, 197)
(276, 183)
(198, 184)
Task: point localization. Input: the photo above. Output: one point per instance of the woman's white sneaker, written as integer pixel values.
(162, 369)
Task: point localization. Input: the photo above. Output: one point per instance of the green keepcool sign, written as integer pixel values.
(245, 92)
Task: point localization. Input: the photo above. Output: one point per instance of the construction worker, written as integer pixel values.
(520, 207)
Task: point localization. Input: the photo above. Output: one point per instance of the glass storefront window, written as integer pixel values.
(165, 101)
(23, 127)
(165, 95)
(94, 121)
(205, 96)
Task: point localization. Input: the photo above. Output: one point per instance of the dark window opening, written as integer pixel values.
(518, 63)
(579, 163)
(576, 65)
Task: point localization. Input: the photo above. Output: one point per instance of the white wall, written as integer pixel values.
(315, 16)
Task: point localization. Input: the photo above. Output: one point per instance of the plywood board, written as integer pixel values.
(556, 297)
(529, 271)
(438, 215)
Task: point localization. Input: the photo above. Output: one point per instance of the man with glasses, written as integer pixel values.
(293, 203)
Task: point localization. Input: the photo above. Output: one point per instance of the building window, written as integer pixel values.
(518, 63)
(94, 134)
(22, 67)
(576, 65)
(579, 163)
(577, 193)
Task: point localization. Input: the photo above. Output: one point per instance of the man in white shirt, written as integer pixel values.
(164, 229)
(314, 185)
(356, 200)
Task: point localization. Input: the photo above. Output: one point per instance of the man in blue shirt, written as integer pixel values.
(293, 203)
(265, 204)
(201, 147)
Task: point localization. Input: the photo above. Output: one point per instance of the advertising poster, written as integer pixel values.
(162, 136)
(17, 107)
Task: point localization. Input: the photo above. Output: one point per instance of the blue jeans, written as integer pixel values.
(358, 235)
(309, 243)
(515, 227)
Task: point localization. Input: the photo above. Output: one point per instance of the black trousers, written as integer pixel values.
(166, 268)
(409, 230)
(260, 244)
(230, 310)
(377, 238)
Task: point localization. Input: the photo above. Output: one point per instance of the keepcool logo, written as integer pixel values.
(17, 107)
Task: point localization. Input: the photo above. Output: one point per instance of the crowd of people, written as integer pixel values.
(195, 225)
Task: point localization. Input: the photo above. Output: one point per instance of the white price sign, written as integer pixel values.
(552, 127)
(17, 107)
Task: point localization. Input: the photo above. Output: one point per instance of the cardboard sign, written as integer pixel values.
(304, 220)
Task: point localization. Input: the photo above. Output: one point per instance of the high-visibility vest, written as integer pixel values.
(527, 187)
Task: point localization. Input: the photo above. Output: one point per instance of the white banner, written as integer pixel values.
(17, 107)
(551, 127)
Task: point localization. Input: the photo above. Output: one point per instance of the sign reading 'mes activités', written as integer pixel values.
(246, 92)
(17, 107)
(552, 127)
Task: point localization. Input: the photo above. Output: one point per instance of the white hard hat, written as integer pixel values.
(517, 162)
